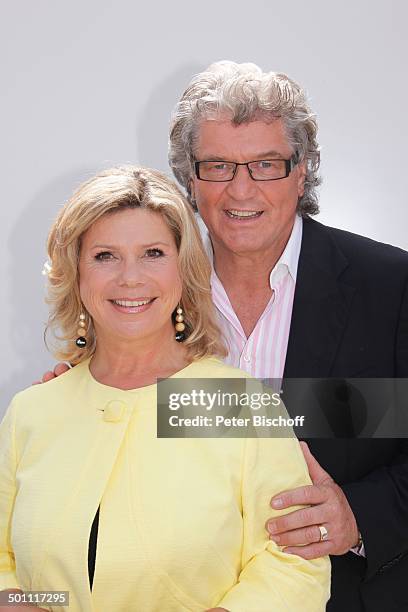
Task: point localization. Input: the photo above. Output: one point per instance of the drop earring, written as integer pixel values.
(179, 326)
(81, 331)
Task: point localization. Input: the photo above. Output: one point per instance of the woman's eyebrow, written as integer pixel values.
(115, 246)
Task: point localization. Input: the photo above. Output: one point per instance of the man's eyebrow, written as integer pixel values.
(269, 154)
(210, 157)
(258, 156)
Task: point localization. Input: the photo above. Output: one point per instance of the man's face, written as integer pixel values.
(276, 201)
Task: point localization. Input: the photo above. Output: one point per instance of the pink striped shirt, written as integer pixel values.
(263, 353)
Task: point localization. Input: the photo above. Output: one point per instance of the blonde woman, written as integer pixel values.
(91, 501)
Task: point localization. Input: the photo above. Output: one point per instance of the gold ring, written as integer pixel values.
(324, 534)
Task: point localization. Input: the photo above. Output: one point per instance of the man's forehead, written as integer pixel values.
(220, 138)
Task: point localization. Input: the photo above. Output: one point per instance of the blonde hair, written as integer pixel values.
(114, 190)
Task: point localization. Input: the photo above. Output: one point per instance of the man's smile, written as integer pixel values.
(243, 215)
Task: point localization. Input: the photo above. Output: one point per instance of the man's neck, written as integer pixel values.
(246, 279)
(248, 271)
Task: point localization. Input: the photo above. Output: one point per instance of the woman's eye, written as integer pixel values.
(154, 253)
(104, 256)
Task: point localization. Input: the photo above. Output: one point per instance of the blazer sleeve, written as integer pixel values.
(8, 462)
(270, 579)
(380, 500)
(380, 506)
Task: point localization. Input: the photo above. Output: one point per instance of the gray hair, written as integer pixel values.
(244, 93)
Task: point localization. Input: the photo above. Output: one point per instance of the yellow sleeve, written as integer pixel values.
(271, 580)
(8, 578)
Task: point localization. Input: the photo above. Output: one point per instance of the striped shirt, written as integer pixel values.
(263, 353)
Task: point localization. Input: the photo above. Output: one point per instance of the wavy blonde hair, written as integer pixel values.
(108, 192)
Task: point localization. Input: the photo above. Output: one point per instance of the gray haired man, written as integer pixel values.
(298, 299)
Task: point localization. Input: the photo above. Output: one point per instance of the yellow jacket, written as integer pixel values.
(181, 520)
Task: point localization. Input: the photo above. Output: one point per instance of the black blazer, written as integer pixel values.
(350, 319)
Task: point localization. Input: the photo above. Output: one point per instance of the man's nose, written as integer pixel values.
(242, 185)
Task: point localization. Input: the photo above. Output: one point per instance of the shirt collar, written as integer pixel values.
(290, 256)
(288, 261)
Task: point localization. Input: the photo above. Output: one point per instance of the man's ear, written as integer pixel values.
(301, 177)
(192, 192)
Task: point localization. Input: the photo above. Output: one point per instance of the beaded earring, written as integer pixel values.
(81, 331)
(179, 326)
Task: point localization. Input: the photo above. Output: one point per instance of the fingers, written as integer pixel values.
(61, 368)
(47, 376)
(302, 496)
(306, 517)
(313, 551)
(298, 537)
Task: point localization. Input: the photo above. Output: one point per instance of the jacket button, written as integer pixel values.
(114, 411)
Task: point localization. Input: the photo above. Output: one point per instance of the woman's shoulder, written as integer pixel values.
(211, 367)
(58, 388)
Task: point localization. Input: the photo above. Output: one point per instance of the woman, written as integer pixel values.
(181, 522)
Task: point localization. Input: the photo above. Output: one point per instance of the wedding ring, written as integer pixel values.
(324, 534)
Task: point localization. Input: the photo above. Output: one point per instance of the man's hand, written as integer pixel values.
(328, 506)
(59, 369)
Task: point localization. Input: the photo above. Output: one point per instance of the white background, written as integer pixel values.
(88, 84)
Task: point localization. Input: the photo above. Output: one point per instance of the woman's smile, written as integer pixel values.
(132, 306)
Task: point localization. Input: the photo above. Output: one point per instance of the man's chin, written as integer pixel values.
(244, 247)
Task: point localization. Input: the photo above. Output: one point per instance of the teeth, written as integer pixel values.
(243, 213)
(130, 303)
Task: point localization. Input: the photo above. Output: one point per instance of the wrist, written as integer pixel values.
(358, 547)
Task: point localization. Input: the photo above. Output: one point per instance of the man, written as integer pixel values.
(298, 299)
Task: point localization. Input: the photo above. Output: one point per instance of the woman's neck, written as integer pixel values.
(129, 365)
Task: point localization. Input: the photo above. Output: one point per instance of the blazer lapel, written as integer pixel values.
(321, 305)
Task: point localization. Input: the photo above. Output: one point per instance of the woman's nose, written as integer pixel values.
(133, 273)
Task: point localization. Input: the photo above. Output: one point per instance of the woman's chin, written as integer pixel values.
(136, 332)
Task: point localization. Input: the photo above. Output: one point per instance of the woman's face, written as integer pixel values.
(129, 277)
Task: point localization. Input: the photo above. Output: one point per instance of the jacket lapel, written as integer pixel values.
(321, 305)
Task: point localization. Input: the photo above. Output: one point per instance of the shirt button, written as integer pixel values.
(247, 358)
(114, 411)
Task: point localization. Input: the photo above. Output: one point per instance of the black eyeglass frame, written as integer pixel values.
(289, 165)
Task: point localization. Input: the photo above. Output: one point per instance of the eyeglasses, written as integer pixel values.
(260, 170)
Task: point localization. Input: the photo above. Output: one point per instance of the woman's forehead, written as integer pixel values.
(130, 225)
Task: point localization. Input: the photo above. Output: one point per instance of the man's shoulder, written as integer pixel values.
(359, 249)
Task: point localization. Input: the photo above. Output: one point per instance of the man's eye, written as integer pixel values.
(216, 166)
(265, 164)
(154, 253)
(103, 256)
